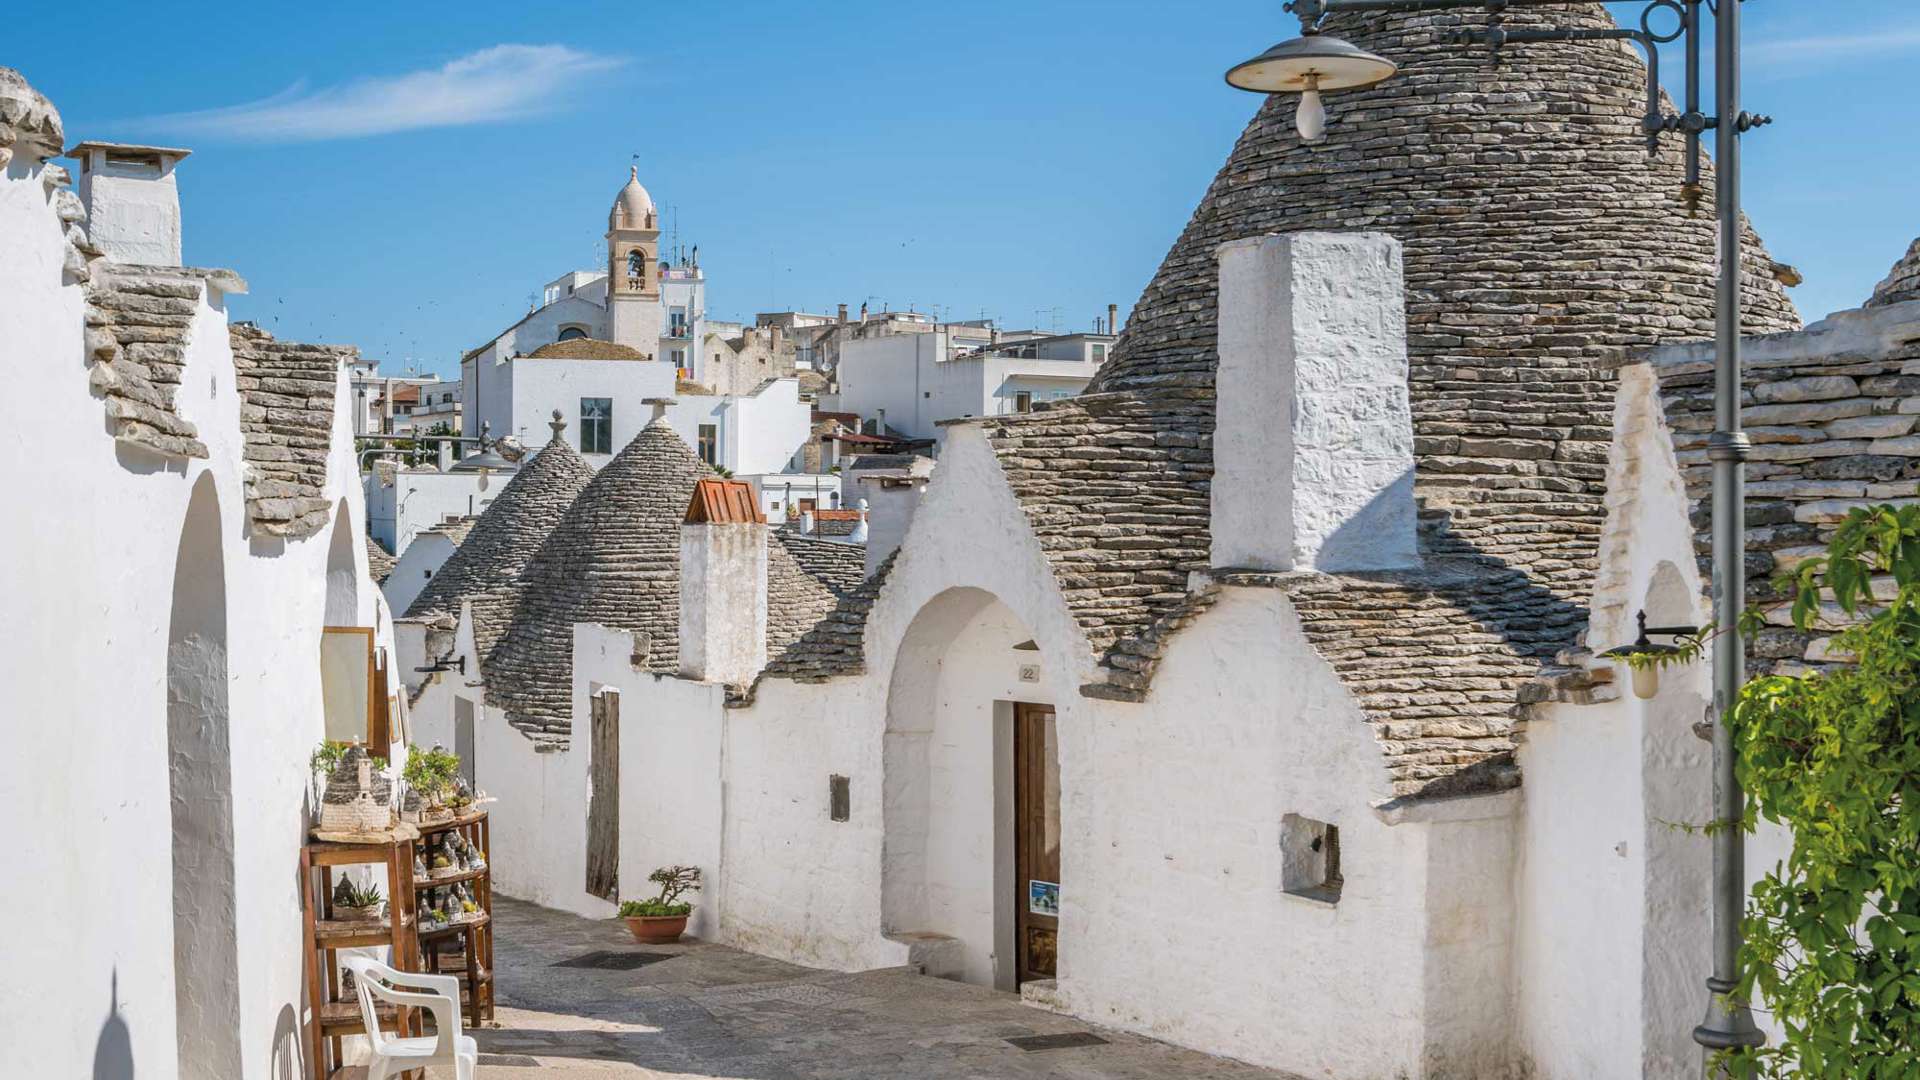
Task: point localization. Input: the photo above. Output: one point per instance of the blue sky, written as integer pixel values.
(404, 176)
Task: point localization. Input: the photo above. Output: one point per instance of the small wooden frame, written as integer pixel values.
(353, 689)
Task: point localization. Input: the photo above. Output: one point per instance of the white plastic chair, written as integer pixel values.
(393, 1055)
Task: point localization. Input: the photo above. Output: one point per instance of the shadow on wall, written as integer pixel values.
(1369, 536)
(113, 1050)
(288, 1063)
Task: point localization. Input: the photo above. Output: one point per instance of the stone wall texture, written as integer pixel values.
(286, 413)
(1542, 242)
(1902, 282)
(1834, 415)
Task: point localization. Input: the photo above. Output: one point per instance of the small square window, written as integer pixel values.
(1310, 859)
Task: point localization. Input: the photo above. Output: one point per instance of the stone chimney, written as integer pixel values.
(888, 499)
(133, 204)
(843, 314)
(723, 584)
(1113, 318)
(1313, 441)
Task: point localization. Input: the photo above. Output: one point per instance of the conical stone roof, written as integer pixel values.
(486, 566)
(613, 559)
(1542, 242)
(1903, 283)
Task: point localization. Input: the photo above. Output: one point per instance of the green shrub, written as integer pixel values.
(1833, 933)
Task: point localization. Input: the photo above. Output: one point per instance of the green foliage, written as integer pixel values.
(630, 909)
(358, 896)
(430, 772)
(326, 757)
(1833, 933)
(674, 882)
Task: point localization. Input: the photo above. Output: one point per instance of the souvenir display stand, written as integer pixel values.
(462, 944)
(336, 1010)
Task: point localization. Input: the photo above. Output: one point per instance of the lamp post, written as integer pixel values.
(1317, 62)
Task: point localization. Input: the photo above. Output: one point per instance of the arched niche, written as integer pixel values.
(200, 798)
(343, 578)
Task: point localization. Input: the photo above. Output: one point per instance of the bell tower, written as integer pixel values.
(634, 314)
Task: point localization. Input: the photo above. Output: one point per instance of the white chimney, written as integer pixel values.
(859, 533)
(888, 500)
(723, 584)
(1313, 441)
(806, 523)
(133, 204)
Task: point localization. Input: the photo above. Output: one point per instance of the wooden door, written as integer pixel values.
(1036, 843)
(463, 739)
(603, 798)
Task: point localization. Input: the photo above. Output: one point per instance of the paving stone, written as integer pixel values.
(725, 1013)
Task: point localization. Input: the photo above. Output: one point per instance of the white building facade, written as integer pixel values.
(915, 381)
(602, 346)
(159, 795)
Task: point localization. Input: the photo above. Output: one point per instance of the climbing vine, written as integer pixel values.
(1833, 933)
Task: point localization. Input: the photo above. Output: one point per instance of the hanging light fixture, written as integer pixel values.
(1307, 65)
(1646, 677)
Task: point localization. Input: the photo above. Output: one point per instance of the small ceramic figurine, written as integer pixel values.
(410, 807)
(419, 867)
(343, 894)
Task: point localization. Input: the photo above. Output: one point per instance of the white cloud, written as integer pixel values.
(1801, 51)
(505, 82)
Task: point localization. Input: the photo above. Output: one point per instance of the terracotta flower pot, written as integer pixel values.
(356, 913)
(656, 929)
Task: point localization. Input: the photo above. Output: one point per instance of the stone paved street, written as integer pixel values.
(697, 1010)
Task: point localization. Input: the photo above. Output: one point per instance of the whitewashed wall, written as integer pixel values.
(415, 567)
(85, 787)
(1173, 920)
(421, 498)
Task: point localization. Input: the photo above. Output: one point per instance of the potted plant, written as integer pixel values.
(662, 919)
(431, 774)
(351, 901)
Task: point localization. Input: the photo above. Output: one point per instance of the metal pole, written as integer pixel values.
(1729, 1023)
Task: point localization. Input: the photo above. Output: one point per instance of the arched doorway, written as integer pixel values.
(343, 579)
(971, 792)
(200, 788)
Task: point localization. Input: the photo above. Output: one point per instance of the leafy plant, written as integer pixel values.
(326, 758)
(356, 896)
(430, 772)
(1833, 933)
(674, 882)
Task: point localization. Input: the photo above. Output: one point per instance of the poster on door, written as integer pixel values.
(1043, 898)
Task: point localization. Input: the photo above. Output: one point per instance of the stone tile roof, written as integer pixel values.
(613, 559)
(380, 564)
(1834, 415)
(1541, 242)
(806, 580)
(287, 393)
(836, 645)
(29, 124)
(1902, 283)
(456, 530)
(139, 320)
(586, 349)
(501, 542)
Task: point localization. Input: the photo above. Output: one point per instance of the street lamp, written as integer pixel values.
(1315, 62)
(1309, 64)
